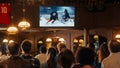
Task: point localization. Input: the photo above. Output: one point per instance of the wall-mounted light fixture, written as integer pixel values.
(61, 39)
(12, 30)
(75, 41)
(81, 42)
(40, 42)
(96, 37)
(48, 40)
(5, 40)
(117, 36)
(11, 41)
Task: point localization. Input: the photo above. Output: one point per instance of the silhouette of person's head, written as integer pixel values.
(66, 58)
(26, 46)
(43, 49)
(85, 56)
(114, 46)
(13, 48)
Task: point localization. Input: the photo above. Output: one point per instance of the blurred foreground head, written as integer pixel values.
(114, 46)
(26, 46)
(66, 58)
(13, 48)
(85, 56)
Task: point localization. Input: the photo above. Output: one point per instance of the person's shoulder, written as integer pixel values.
(35, 59)
(16, 61)
(35, 62)
(26, 63)
(76, 65)
(37, 55)
(106, 59)
(3, 62)
(3, 57)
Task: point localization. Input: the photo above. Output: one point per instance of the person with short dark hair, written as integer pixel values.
(85, 57)
(15, 61)
(43, 49)
(66, 59)
(13, 48)
(113, 60)
(26, 47)
(42, 56)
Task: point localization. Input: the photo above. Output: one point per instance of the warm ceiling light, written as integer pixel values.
(5, 40)
(11, 41)
(117, 36)
(24, 24)
(12, 30)
(40, 42)
(95, 36)
(75, 41)
(61, 39)
(48, 40)
(118, 40)
(81, 41)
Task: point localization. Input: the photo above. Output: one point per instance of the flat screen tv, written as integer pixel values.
(57, 16)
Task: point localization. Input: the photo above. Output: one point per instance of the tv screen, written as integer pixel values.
(56, 16)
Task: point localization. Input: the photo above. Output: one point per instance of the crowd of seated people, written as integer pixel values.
(60, 56)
